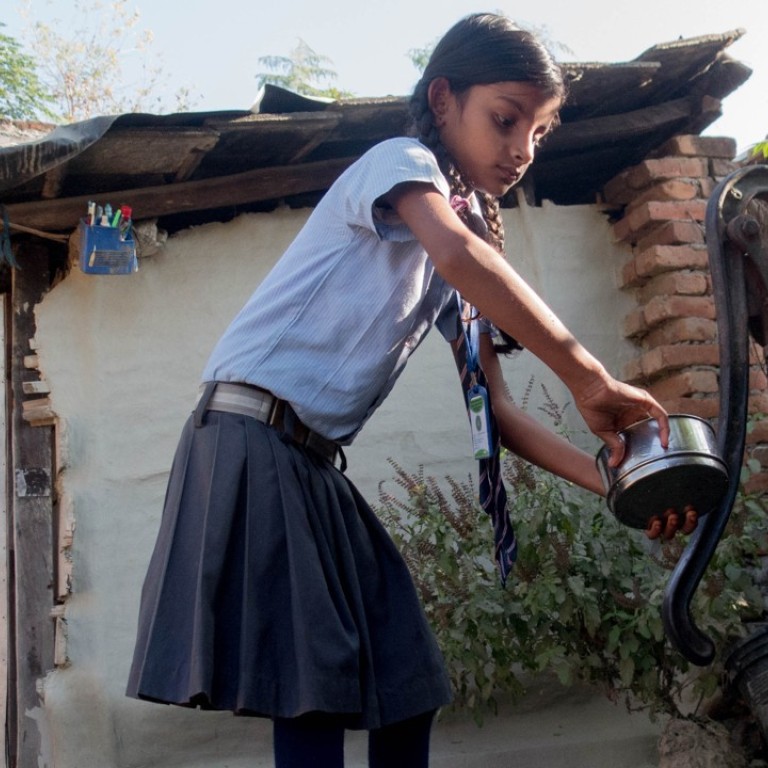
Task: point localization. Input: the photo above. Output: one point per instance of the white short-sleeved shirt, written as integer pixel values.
(333, 324)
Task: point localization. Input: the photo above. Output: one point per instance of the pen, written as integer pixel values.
(125, 223)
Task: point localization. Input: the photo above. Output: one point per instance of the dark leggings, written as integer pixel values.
(316, 740)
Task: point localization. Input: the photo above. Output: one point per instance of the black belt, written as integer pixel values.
(263, 406)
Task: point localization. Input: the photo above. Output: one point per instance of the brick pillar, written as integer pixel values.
(661, 205)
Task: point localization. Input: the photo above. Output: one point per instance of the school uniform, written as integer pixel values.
(273, 589)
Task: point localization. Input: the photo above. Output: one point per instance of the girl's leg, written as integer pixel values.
(310, 741)
(401, 745)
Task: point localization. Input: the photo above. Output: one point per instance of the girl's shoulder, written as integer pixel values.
(399, 144)
(401, 149)
(382, 167)
(359, 195)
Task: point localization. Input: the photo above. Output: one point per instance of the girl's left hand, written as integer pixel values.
(671, 523)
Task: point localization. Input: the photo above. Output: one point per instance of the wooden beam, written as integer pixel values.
(153, 150)
(31, 529)
(611, 129)
(204, 194)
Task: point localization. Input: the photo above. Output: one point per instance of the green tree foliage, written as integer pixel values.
(760, 152)
(22, 95)
(584, 599)
(98, 62)
(303, 71)
(420, 56)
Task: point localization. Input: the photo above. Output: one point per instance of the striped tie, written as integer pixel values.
(493, 495)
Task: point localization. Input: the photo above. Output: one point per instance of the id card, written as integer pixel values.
(480, 422)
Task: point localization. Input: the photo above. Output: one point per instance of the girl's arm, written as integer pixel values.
(485, 279)
(532, 441)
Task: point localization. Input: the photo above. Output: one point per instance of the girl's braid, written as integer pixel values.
(427, 133)
(492, 216)
(493, 231)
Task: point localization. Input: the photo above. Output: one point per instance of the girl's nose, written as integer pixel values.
(523, 148)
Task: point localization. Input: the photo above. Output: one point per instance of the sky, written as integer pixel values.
(212, 47)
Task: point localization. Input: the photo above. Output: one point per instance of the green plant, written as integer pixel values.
(447, 550)
(22, 95)
(759, 151)
(584, 600)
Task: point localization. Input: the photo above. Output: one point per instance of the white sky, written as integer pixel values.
(213, 46)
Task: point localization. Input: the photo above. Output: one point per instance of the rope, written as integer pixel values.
(6, 251)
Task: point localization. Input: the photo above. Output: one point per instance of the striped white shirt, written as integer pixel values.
(333, 324)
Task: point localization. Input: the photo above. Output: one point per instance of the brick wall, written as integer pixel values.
(661, 205)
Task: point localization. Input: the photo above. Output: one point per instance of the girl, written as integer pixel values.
(273, 590)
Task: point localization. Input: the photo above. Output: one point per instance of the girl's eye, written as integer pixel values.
(504, 122)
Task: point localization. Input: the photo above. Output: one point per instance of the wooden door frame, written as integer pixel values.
(30, 526)
(4, 520)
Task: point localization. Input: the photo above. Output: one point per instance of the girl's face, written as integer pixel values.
(491, 131)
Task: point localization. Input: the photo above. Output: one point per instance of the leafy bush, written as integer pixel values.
(584, 600)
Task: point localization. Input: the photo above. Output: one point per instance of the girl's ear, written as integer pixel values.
(438, 97)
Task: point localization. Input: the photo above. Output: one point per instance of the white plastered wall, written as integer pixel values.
(568, 256)
(123, 356)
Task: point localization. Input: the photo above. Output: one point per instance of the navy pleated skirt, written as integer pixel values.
(274, 590)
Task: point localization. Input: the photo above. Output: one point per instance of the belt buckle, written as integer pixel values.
(300, 433)
(276, 413)
(320, 445)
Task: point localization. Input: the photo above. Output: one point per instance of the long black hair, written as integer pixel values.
(481, 49)
(485, 48)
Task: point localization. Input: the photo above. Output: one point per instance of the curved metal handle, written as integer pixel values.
(726, 261)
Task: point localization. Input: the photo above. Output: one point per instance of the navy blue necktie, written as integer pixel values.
(492, 493)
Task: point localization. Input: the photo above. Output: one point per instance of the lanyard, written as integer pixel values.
(471, 331)
(478, 404)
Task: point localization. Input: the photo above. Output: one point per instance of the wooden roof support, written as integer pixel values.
(150, 202)
(582, 135)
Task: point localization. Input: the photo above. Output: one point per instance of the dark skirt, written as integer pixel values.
(274, 590)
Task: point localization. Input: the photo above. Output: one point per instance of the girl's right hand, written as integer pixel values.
(608, 406)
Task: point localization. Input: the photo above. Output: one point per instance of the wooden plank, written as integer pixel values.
(31, 510)
(39, 387)
(273, 139)
(150, 202)
(34, 402)
(65, 535)
(4, 560)
(60, 658)
(613, 129)
(275, 124)
(603, 89)
(36, 410)
(142, 151)
(40, 417)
